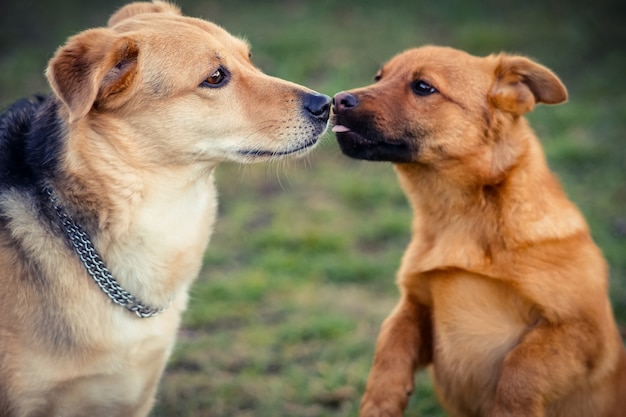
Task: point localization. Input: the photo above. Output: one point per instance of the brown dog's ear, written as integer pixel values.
(133, 9)
(93, 66)
(521, 83)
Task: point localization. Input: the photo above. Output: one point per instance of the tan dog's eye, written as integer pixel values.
(422, 88)
(378, 76)
(217, 79)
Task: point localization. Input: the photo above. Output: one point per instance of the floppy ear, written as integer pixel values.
(93, 66)
(133, 9)
(521, 83)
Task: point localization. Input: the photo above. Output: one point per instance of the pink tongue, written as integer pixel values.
(340, 129)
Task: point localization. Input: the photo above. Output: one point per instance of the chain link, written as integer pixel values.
(95, 266)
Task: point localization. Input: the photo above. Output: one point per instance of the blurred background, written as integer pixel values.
(300, 272)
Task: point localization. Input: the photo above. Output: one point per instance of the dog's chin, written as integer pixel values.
(356, 146)
(261, 155)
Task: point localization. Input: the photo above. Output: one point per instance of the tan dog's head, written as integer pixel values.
(445, 109)
(178, 90)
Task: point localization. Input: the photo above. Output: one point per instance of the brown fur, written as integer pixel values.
(140, 136)
(504, 293)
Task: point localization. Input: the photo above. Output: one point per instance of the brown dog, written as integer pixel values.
(112, 177)
(503, 291)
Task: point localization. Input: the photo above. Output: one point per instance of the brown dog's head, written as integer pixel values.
(445, 109)
(176, 89)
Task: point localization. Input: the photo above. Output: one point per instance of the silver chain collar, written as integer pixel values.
(95, 266)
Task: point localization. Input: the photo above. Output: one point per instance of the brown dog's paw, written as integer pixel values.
(523, 411)
(380, 410)
(384, 404)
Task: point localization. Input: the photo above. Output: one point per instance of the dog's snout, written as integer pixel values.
(344, 101)
(317, 105)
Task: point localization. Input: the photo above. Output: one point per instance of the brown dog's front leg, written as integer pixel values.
(549, 362)
(404, 344)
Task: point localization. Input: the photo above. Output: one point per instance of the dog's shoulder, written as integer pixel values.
(30, 141)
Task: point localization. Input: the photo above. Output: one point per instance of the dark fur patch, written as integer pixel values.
(30, 142)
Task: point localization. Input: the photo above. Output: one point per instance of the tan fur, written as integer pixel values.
(504, 293)
(141, 141)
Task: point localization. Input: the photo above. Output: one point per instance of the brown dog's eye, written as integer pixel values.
(378, 76)
(217, 79)
(422, 88)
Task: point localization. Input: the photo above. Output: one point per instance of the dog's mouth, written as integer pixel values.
(371, 146)
(343, 132)
(263, 153)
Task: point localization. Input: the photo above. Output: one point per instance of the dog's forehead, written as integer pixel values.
(433, 58)
(444, 65)
(168, 31)
(177, 51)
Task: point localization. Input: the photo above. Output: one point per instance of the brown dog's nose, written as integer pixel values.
(344, 101)
(317, 104)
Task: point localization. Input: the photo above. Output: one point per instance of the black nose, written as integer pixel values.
(317, 104)
(344, 101)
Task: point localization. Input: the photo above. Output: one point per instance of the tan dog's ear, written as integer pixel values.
(94, 65)
(133, 9)
(521, 83)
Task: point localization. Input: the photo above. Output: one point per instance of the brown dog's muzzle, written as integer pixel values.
(360, 137)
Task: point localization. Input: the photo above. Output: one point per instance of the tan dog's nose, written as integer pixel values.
(318, 105)
(344, 101)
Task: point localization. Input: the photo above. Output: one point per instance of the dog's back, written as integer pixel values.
(29, 132)
(28, 135)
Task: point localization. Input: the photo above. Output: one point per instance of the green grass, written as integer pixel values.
(300, 272)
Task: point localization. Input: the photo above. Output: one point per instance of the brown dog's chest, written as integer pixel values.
(476, 322)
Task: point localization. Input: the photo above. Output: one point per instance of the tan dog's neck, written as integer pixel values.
(162, 214)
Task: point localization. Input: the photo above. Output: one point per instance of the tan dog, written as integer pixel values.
(120, 158)
(503, 291)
